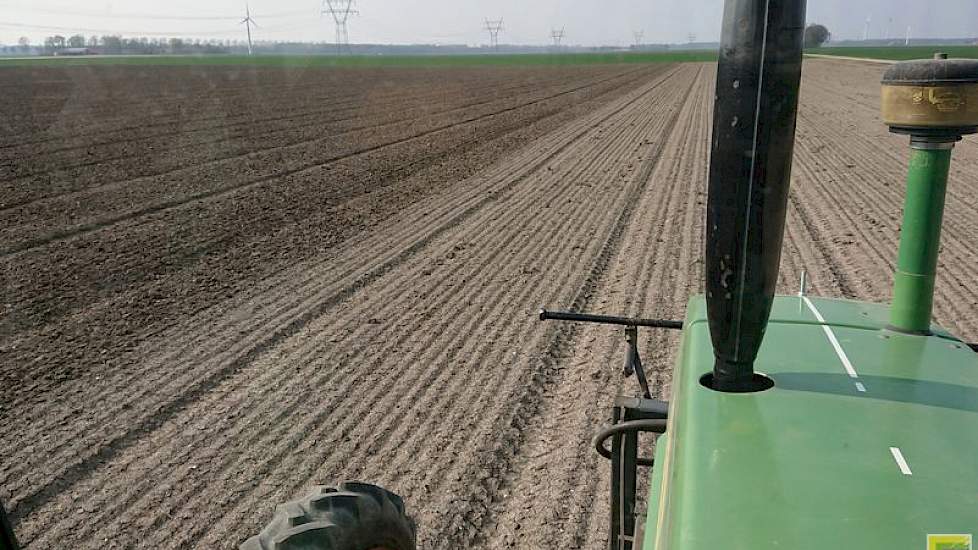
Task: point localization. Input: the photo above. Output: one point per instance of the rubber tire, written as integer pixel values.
(351, 516)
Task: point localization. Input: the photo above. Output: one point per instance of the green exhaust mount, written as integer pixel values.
(935, 101)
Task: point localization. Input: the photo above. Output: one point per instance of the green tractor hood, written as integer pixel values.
(857, 445)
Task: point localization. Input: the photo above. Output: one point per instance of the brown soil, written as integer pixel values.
(324, 275)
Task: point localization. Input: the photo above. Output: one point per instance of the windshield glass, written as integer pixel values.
(252, 248)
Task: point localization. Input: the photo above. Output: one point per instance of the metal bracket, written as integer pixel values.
(630, 417)
(633, 362)
(625, 462)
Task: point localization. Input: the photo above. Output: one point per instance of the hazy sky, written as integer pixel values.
(587, 22)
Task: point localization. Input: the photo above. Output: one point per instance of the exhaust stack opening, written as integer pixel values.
(755, 109)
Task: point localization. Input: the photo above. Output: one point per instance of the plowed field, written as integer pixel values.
(224, 285)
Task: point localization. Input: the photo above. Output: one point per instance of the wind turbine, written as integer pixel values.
(248, 22)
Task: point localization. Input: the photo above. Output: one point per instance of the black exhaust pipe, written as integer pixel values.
(753, 139)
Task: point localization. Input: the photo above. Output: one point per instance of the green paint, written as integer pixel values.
(920, 240)
(900, 52)
(373, 60)
(806, 465)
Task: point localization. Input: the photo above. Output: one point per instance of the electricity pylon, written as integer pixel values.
(494, 27)
(557, 35)
(639, 37)
(341, 10)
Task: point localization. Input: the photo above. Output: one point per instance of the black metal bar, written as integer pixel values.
(8, 541)
(629, 480)
(630, 417)
(614, 533)
(633, 362)
(608, 320)
(624, 428)
(643, 409)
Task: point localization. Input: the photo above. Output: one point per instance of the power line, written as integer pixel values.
(228, 33)
(494, 26)
(108, 31)
(305, 26)
(639, 36)
(157, 16)
(341, 10)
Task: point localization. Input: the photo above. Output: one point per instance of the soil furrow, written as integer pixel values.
(258, 349)
(278, 174)
(93, 257)
(173, 161)
(541, 195)
(558, 473)
(350, 103)
(165, 379)
(347, 275)
(340, 87)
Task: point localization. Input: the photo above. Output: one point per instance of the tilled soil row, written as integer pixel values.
(288, 126)
(193, 177)
(189, 101)
(411, 356)
(843, 231)
(558, 476)
(69, 170)
(75, 104)
(493, 240)
(290, 120)
(193, 255)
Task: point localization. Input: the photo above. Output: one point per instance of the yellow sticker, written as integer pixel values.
(949, 542)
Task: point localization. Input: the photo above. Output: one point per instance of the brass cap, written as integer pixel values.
(932, 96)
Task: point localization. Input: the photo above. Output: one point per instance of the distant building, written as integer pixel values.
(75, 51)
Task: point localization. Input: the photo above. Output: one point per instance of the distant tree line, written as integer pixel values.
(118, 45)
(23, 47)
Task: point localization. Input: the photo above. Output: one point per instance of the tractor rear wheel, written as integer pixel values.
(352, 516)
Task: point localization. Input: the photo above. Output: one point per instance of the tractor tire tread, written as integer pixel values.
(350, 516)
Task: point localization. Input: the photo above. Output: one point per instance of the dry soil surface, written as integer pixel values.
(309, 276)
